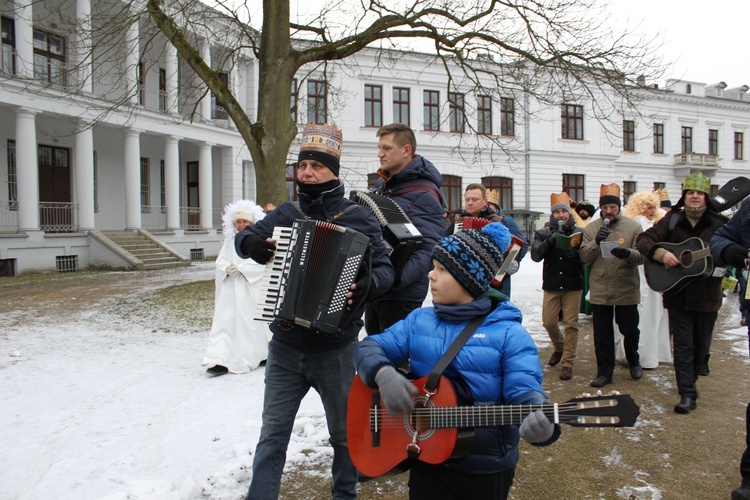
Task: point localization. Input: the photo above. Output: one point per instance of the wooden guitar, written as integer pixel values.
(378, 442)
(694, 264)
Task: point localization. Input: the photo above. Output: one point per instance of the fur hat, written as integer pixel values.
(587, 206)
(473, 257)
(240, 209)
(608, 194)
(322, 142)
(561, 200)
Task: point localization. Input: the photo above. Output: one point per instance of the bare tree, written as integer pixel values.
(548, 50)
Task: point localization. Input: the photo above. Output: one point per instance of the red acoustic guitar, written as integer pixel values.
(378, 442)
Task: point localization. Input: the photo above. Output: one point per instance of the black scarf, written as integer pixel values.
(315, 190)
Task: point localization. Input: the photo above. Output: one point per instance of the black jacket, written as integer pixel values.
(562, 270)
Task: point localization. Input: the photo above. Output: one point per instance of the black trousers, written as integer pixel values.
(627, 320)
(435, 482)
(691, 336)
(380, 314)
(745, 460)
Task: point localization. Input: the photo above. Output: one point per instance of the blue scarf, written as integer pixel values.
(461, 313)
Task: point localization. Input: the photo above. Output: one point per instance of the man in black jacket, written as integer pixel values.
(299, 358)
(562, 280)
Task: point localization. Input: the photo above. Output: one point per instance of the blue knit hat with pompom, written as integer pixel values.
(472, 256)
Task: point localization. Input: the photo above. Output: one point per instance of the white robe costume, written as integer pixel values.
(654, 345)
(236, 341)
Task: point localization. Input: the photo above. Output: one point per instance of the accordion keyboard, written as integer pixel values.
(274, 277)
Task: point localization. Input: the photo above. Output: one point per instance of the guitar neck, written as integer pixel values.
(484, 416)
(701, 254)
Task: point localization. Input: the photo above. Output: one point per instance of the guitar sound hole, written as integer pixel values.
(418, 422)
(686, 259)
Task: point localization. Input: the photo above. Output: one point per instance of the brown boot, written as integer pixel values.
(555, 358)
(566, 373)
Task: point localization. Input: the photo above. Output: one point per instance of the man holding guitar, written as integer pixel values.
(693, 307)
(497, 365)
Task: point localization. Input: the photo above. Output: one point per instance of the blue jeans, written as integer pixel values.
(289, 376)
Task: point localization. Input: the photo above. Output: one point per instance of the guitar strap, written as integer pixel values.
(445, 360)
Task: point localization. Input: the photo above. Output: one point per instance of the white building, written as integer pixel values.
(166, 160)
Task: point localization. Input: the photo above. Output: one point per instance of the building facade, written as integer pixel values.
(129, 138)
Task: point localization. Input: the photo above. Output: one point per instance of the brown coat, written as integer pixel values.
(701, 295)
(613, 281)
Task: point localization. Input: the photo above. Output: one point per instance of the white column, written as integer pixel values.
(27, 170)
(82, 42)
(132, 179)
(172, 181)
(132, 57)
(24, 31)
(205, 106)
(84, 176)
(172, 78)
(205, 187)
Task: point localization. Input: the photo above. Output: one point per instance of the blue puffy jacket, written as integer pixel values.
(324, 207)
(499, 364)
(416, 189)
(737, 230)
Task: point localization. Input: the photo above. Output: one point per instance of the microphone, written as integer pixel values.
(560, 225)
(605, 221)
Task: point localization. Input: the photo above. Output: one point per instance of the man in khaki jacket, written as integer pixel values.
(609, 246)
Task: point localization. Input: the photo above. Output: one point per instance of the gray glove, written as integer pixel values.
(396, 390)
(536, 427)
(233, 270)
(512, 268)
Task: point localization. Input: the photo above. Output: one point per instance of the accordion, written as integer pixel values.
(400, 235)
(307, 280)
(470, 223)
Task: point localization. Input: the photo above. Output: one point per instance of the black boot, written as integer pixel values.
(703, 370)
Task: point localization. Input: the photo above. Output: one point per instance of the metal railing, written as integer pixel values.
(153, 217)
(9, 216)
(58, 217)
(190, 218)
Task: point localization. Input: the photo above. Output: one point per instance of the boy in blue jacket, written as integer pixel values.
(499, 365)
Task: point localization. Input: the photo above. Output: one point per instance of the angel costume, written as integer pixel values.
(237, 341)
(654, 346)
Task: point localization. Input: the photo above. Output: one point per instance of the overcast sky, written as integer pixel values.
(710, 42)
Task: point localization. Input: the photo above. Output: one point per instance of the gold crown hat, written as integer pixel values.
(663, 197)
(697, 182)
(493, 196)
(559, 200)
(322, 143)
(609, 194)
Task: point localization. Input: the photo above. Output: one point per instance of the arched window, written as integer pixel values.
(504, 185)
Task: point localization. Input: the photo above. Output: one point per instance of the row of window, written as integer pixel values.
(686, 140)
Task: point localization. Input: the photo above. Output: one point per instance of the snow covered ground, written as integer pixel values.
(94, 409)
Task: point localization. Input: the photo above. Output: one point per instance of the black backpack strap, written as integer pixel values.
(411, 186)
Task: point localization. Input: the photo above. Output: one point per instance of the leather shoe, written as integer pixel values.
(636, 372)
(741, 493)
(555, 358)
(566, 373)
(686, 405)
(601, 381)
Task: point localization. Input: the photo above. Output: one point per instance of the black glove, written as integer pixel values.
(550, 241)
(735, 255)
(571, 253)
(257, 248)
(621, 252)
(601, 235)
(357, 295)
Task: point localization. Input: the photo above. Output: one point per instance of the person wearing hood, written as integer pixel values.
(692, 309)
(609, 246)
(237, 342)
(562, 280)
(300, 358)
(413, 183)
(583, 212)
